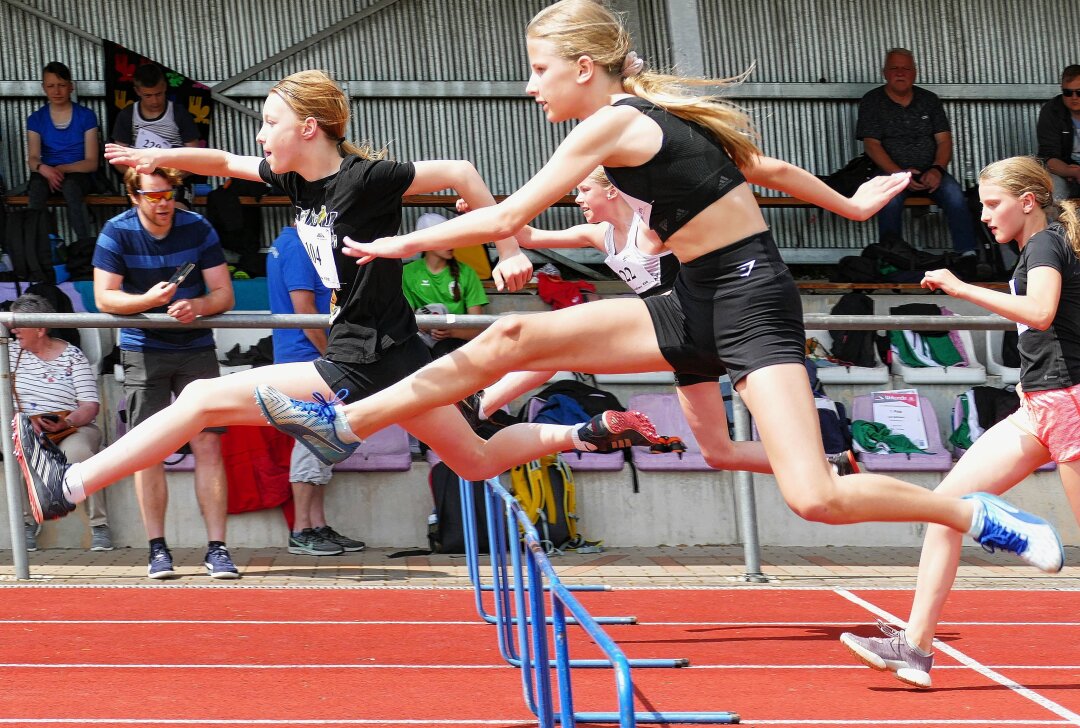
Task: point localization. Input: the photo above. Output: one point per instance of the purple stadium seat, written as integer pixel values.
(665, 412)
(386, 450)
(583, 460)
(939, 459)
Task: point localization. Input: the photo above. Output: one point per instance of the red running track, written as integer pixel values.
(337, 657)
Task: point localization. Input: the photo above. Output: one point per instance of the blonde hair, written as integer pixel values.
(1020, 175)
(131, 178)
(599, 176)
(589, 28)
(314, 94)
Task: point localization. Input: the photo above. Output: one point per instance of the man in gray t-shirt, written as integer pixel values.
(904, 128)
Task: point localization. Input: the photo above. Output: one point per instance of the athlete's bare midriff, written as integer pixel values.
(734, 217)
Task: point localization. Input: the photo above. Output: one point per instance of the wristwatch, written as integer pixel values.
(938, 167)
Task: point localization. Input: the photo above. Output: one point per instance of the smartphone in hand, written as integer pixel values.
(182, 272)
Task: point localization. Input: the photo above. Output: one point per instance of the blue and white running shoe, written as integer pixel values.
(1004, 526)
(312, 423)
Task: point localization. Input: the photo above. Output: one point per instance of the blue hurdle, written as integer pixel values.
(536, 672)
(472, 562)
(504, 618)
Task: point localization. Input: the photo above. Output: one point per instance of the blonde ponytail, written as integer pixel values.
(1070, 219)
(589, 28)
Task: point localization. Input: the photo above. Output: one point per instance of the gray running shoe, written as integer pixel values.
(100, 538)
(309, 542)
(891, 652)
(219, 564)
(1006, 527)
(160, 563)
(329, 534)
(43, 466)
(311, 423)
(32, 531)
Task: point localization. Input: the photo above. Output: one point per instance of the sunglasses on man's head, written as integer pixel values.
(1070, 92)
(157, 195)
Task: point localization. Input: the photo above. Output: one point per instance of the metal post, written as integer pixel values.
(12, 476)
(744, 489)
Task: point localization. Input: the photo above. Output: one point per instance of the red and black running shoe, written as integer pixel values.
(613, 430)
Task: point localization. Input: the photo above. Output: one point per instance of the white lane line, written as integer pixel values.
(466, 722)
(235, 666)
(479, 623)
(987, 672)
(920, 722)
(266, 722)
(290, 622)
(386, 666)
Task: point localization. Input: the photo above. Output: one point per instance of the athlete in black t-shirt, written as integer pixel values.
(687, 163)
(339, 190)
(1017, 196)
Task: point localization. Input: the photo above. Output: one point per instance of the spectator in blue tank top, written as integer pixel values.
(294, 286)
(136, 257)
(62, 149)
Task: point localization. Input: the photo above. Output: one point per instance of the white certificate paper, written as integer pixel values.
(899, 410)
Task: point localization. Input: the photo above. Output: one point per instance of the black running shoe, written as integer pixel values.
(844, 463)
(668, 444)
(43, 466)
(470, 408)
(614, 430)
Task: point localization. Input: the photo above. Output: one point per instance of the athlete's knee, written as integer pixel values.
(509, 336)
(822, 503)
(719, 457)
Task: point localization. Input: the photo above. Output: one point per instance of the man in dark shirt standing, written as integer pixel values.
(904, 128)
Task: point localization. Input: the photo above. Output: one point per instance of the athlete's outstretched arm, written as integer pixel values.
(591, 142)
(514, 268)
(782, 176)
(209, 162)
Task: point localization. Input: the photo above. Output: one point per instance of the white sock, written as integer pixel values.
(73, 485)
(977, 518)
(341, 425)
(480, 413)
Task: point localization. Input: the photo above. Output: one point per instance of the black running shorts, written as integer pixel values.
(395, 363)
(735, 309)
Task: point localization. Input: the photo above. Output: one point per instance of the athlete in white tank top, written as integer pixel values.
(633, 251)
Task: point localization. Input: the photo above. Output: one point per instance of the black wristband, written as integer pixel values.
(938, 167)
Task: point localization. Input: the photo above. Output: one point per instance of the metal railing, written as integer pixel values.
(743, 480)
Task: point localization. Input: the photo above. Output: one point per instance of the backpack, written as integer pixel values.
(848, 178)
(27, 243)
(545, 488)
(832, 416)
(446, 529)
(854, 346)
(892, 250)
(592, 400)
(561, 409)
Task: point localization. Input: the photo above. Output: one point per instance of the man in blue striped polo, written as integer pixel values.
(154, 258)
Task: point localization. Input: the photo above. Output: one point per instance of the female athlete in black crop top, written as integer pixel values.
(734, 305)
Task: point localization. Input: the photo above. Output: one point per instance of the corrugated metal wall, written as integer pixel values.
(962, 42)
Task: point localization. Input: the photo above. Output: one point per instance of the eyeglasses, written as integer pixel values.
(1070, 92)
(157, 195)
